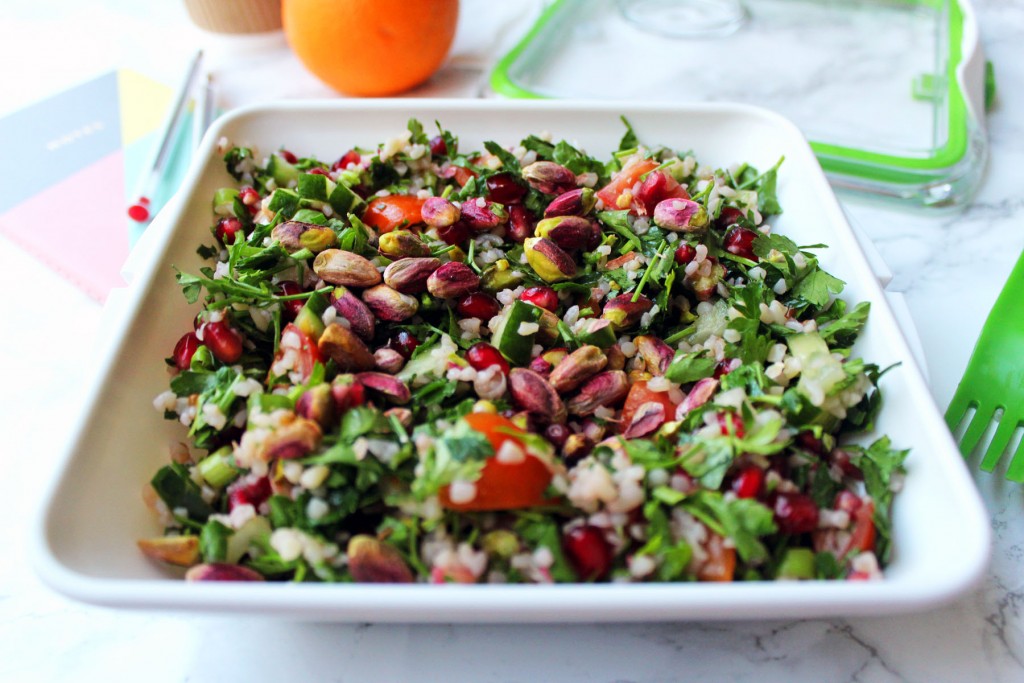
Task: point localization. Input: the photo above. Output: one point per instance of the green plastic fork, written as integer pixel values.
(994, 381)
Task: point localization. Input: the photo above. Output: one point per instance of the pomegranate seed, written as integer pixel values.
(521, 222)
(138, 212)
(316, 170)
(478, 305)
(504, 189)
(747, 483)
(725, 366)
(544, 297)
(841, 459)
(557, 434)
(685, 253)
(253, 493)
(438, 146)
(403, 342)
(227, 229)
(455, 234)
(650, 192)
(730, 423)
(740, 241)
(292, 306)
(795, 513)
(249, 196)
(348, 396)
(588, 552)
(223, 341)
(807, 441)
(185, 349)
(482, 356)
(288, 156)
(847, 501)
(729, 216)
(350, 157)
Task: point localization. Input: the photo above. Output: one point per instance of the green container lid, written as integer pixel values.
(891, 94)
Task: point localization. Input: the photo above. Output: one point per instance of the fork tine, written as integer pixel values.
(1000, 440)
(1015, 472)
(975, 430)
(957, 408)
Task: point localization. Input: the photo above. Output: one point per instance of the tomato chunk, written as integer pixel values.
(384, 214)
(624, 180)
(297, 354)
(503, 486)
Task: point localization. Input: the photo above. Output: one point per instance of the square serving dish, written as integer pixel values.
(84, 541)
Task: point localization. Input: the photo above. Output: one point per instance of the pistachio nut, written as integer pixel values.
(440, 213)
(350, 307)
(409, 275)
(499, 276)
(221, 571)
(578, 202)
(570, 232)
(549, 260)
(452, 279)
(317, 404)
(389, 304)
(371, 560)
(399, 244)
(680, 215)
(295, 439)
(386, 385)
(531, 392)
(657, 355)
(603, 389)
(345, 348)
(577, 367)
(549, 177)
(388, 360)
(182, 551)
(647, 418)
(700, 393)
(622, 312)
(296, 235)
(340, 267)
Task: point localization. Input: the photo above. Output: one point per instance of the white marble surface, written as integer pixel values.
(949, 267)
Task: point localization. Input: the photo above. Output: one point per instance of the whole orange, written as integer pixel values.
(370, 47)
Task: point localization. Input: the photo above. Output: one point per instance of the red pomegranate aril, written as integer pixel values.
(223, 341)
(478, 305)
(588, 552)
(795, 513)
(292, 306)
(841, 459)
(725, 366)
(288, 156)
(730, 423)
(685, 253)
(316, 170)
(350, 157)
(455, 234)
(347, 396)
(729, 216)
(557, 434)
(185, 349)
(482, 356)
(249, 196)
(227, 228)
(504, 189)
(545, 297)
(847, 501)
(403, 342)
(747, 483)
(651, 191)
(740, 241)
(807, 441)
(254, 493)
(438, 146)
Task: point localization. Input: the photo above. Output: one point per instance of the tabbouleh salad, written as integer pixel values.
(516, 364)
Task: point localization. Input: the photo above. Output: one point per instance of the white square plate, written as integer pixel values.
(84, 543)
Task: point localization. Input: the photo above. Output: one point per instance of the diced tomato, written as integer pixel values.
(862, 537)
(624, 180)
(463, 175)
(297, 354)
(503, 486)
(721, 562)
(638, 395)
(384, 214)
